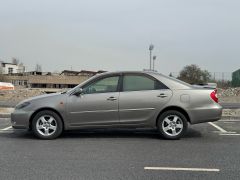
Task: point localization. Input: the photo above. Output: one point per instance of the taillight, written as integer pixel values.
(213, 95)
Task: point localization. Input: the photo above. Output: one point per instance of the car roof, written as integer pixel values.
(129, 72)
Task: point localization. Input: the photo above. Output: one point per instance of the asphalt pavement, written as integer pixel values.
(209, 151)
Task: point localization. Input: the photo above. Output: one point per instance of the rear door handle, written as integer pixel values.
(111, 98)
(162, 95)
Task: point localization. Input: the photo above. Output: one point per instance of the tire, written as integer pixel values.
(172, 125)
(47, 125)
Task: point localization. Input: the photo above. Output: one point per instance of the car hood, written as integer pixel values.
(44, 96)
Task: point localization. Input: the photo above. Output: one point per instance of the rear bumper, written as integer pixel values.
(201, 115)
(20, 119)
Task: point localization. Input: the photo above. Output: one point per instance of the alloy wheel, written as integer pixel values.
(46, 125)
(172, 125)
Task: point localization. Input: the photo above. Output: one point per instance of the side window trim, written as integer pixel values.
(101, 78)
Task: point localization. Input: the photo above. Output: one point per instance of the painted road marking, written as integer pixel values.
(182, 169)
(5, 132)
(223, 134)
(230, 120)
(229, 132)
(217, 127)
(9, 131)
(225, 122)
(4, 118)
(7, 128)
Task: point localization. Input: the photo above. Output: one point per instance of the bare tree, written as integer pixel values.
(38, 68)
(15, 61)
(194, 75)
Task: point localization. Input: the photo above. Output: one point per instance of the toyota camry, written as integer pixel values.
(120, 100)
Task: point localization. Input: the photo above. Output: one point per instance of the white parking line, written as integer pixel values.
(218, 127)
(230, 120)
(182, 169)
(229, 134)
(225, 122)
(5, 132)
(7, 128)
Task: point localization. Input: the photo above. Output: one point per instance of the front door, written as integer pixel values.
(97, 105)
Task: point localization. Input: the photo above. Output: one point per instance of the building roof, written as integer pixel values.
(89, 72)
(82, 72)
(236, 71)
(69, 72)
(8, 63)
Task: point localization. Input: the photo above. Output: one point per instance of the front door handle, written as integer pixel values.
(162, 95)
(111, 98)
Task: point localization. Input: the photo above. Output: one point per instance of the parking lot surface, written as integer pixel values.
(208, 151)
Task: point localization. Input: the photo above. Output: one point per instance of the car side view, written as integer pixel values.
(120, 100)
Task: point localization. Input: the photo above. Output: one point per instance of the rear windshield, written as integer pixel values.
(180, 83)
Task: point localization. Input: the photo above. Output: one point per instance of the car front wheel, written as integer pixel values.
(47, 125)
(172, 124)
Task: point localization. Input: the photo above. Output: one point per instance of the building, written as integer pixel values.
(33, 79)
(44, 81)
(69, 73)
(81, 73)
(10, 68)
(236, 78)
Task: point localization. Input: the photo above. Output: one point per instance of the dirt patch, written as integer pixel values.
(6, 110)
(19, 94)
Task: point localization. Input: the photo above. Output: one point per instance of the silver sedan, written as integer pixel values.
(120, 100)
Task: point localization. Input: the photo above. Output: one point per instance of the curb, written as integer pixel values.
(230, 117)
(5, 115)
(6, 112)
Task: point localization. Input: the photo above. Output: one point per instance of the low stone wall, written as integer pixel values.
(231, 113)
(229, 92)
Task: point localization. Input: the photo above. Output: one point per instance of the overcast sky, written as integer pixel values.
(115, 34)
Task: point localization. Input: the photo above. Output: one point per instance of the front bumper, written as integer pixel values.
(20, 119)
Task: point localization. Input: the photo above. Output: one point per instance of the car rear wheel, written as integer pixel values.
(47, 125)
(172, 124)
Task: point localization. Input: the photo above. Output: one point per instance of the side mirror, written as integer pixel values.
(78, 92)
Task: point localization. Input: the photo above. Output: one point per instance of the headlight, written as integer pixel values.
(22, 105)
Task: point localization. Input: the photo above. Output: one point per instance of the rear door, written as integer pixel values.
(141, 97)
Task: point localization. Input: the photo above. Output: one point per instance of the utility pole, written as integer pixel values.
(150, 50)
(154, 58)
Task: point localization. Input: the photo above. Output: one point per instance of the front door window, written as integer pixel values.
(109, 84)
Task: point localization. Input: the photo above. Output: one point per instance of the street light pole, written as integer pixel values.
(150, 50)
(154, 58)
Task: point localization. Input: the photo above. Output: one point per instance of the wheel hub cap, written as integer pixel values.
(172, 125)
(46, 125)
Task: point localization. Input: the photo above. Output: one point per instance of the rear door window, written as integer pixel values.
(141, 83)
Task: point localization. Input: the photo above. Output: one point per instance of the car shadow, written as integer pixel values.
(105, 133)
